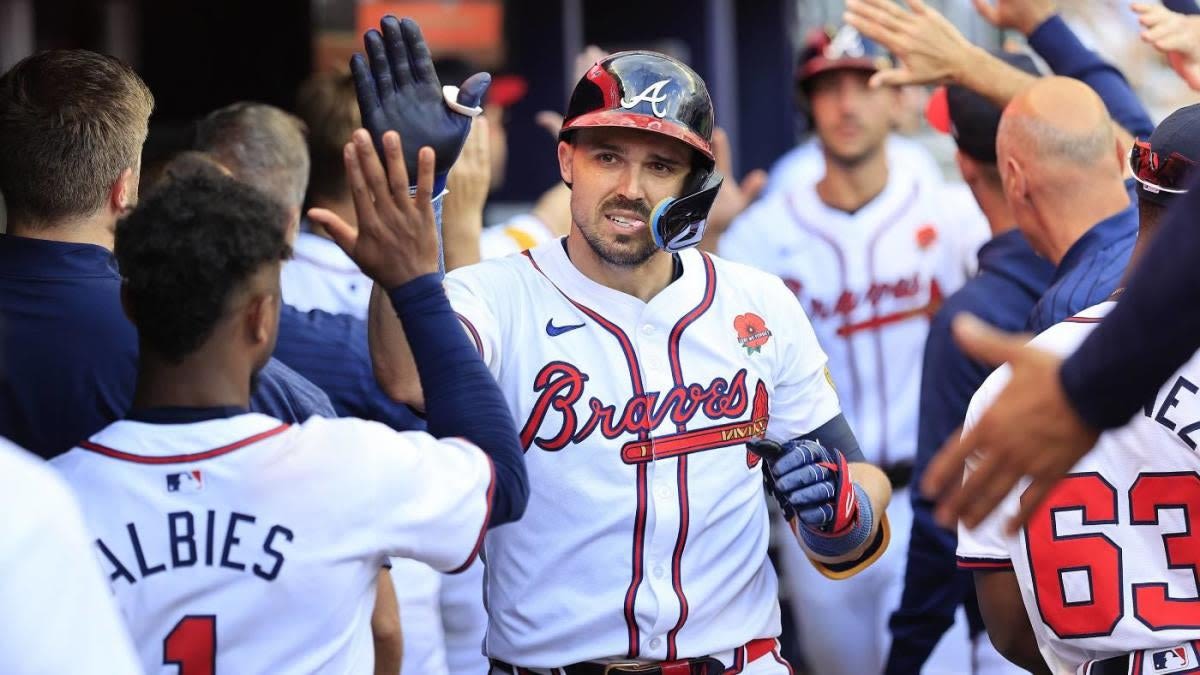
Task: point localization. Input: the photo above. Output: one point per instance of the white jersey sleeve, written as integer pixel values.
(804, 396)
(57, 614)
(429, 499)
(987, 546)
(474, 301)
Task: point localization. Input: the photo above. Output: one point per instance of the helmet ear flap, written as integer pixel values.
(679, 223)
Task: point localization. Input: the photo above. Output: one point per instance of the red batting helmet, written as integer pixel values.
(644, 90)
(654, 92)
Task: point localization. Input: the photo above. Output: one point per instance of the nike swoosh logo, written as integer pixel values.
(555, 331)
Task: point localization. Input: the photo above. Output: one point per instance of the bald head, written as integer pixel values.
(1056, 126)
(1060, 163)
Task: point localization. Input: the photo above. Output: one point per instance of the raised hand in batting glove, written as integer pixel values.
(813, 482)
(400, 91)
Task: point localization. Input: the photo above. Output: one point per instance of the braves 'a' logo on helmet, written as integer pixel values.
(652, 94)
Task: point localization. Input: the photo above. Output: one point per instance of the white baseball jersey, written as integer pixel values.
(869, 281)
(252, 546)
(519, 233)
(56, 613)
(646, 531)
(1109, 563)
(321, 276)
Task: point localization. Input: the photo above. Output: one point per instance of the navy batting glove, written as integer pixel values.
(400, 91)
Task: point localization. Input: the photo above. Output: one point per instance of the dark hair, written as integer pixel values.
(186, 249)
(328, 105)
(262, 145)
(70, 122)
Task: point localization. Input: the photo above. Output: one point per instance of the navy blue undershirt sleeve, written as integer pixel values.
(461, 396)
(1152, 331)
(1058, 45)
(837, 434)
(1182, 6)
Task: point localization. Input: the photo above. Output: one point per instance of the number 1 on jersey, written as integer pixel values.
(192, 645)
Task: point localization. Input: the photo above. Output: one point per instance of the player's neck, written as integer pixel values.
(642, 282)
(97, 229)
(194, 382)
(1064, 223)
(343, 207)
(849, 187)
(995, 210)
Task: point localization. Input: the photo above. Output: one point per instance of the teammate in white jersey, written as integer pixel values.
(870, 253)
(236, 543)
(637, 369)
(1106, 566)
(58, 615)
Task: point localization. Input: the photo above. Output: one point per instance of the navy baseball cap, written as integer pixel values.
(970, 118)
(1163, 164)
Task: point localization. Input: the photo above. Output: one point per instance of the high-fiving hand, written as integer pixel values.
(1176, 35)
(929, 47)
(395, 239)
(1023, 16)
(400, 91)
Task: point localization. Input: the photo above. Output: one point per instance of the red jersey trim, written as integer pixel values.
(487, 517)
(180, 459)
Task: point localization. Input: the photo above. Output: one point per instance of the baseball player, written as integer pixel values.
(58, 616)
(237, 543)
(637, 369)
(870, 253)
(1094, 597)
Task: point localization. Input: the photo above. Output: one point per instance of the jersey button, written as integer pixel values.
(647, 329)
(654, 644)
(659, 571)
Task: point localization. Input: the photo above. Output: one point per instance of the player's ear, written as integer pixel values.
(566, 152)
(1015, 181)
(262, 317)
(966, 166)
(122, 195)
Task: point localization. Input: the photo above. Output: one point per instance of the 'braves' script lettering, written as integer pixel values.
(561, 385)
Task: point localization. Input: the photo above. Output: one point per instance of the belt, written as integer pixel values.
(899, 474)
(706, 665)
(1181, 660)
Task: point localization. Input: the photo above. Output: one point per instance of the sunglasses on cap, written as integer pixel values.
(1157, 173)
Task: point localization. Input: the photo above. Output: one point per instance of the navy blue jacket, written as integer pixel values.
(1090, 270)
(1152, 331)
(331, 351)
(1011, 278)
(69, 355)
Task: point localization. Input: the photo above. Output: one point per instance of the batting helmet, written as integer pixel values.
(654, 92)
(844, 49)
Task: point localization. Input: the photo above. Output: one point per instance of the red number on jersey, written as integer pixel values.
(1052, 555)
(192, 645)
(1151, 492)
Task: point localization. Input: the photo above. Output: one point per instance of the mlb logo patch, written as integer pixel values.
(1173, 660)
(187, 481)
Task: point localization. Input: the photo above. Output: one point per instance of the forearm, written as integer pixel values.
(391, 357)
(1182, 6)
(990, 77)
(385, 627)
(1057, 44)
(460, 238)
(1003, 610)
(1151, 332)
(461, 396)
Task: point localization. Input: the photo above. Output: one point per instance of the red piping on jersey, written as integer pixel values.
(639, 521)
(487, 516)
(880, 372)
(779, 660)
(681, 476)
(1084, 319)
(179, 459)
(841, 259)
(471, 329)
